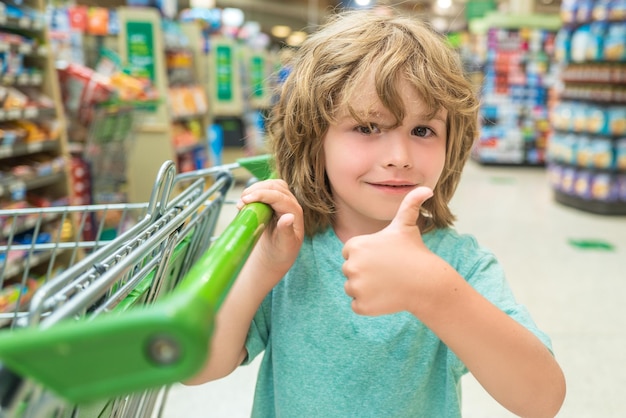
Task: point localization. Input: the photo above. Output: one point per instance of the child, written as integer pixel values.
(364, 299)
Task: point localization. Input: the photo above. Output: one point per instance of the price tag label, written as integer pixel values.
(24, 22)
(3, 114)
(36, 79)
(14, 114)
(4, 46)
(6, 151)
(25, 48)
(31, 112)
(34, 146)
(23, 79)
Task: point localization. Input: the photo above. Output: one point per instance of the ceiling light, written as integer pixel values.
(232, 17)
(202, 4)
(444, 4)
(281, 31)
(296, 38)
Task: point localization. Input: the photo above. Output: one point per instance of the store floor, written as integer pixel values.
(577, 295)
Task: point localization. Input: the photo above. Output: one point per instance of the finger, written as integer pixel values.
(288, 229)
(409, 210)
(273, 184)
(347, 288)
(286, 221)
(281, 201)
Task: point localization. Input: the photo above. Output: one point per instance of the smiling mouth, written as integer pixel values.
(394, 186)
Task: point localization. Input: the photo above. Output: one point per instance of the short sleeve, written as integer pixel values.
(488, 278)
(258, 333)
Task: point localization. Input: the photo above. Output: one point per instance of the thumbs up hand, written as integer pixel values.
(385, 268)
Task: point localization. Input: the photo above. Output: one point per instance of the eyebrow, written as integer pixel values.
(383, 114)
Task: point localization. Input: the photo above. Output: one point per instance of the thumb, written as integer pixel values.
(409, 210)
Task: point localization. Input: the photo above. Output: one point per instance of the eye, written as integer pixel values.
(368, 129)
(423, 131)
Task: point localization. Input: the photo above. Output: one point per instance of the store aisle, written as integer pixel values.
(575, 294)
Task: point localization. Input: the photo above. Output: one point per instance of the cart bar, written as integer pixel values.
(147, 346)
(260, 166)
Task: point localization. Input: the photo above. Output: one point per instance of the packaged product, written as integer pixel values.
(603, 155)
(568, 10)
(555, 173)
(584, 151)
(595, 44)
(570, 148)
(601, 10)
(580, 116)
(620, 154)
(583, 10)
(580, 39)
(617, 10)
(603, 187)
(562, 45)
(616, 123)
(82, 88)
(596, 120)
(567, 180)
(582, 184)
(620, 187)
(615, 42)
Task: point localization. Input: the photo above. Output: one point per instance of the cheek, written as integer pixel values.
(433, 162)
(343, 159)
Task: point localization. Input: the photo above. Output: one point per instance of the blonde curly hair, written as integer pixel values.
(330, 67)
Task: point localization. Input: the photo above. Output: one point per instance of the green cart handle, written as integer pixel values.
(144, 347)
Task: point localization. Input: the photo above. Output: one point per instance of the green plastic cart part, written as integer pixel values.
(259, 166)
(146, 346)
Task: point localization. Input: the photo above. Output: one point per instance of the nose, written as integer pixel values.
(397, 152)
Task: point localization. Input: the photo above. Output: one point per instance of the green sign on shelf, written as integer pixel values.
(224, 71)
(140, 47)
(475, 9)
(257, 75)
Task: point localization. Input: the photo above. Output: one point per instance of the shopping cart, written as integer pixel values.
(132, 315)
(107, 142)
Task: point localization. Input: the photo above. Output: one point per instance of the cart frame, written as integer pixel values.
(146, 299)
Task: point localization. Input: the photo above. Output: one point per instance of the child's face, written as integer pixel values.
(371, 169)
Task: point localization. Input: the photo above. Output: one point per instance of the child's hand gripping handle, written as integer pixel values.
(145, 347)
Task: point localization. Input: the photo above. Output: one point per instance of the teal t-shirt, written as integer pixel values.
(323, 360)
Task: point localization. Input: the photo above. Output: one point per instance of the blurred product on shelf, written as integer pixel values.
(516, 91)
(102, 106)
(84, 89)
(33, 165)
(587, 149)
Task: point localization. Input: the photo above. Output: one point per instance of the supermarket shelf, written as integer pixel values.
(28, 113)
(23, 23)
(18, 150)
(16, 267)
(25, 224)
(592, 206)
(13, 184)
(494, 163)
